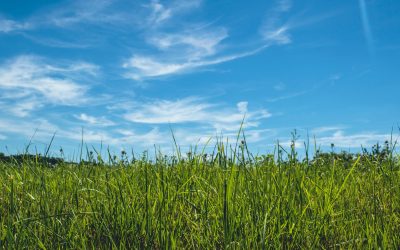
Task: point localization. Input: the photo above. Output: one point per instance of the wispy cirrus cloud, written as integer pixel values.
(288, 96)
(42, 130)
(148, 138)
(25, 107)
(196, 45)
(67, 20)
(193, 46)
(27, 128)
(96, 121)
(177, 52)
(104, 14)
(144, 124)
(83, 12)
(160, 12)
(274, 31)
(331, 80)
(64, 15)
(195, 110)
(29, 82)
(336, 135)
(325, 129)
(58, 43)
(340, 139)
(366, 24)
(7, 25)
(190, 137)
(141, 67)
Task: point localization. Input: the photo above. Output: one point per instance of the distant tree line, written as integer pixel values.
(20, 158)
(377, 153)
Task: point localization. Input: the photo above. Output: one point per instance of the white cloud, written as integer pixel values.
(28, 83)
(288, 96)
(89, 136)
(150, 138)
(143, 67)
(273, 30)
(194, 110)
(325, 136)
(186, 137)
(195, 44)
(325, 129)
(163, 111)
(160, 12)
(104, 13)
(242, 107)
(178, 52)
(97, 121)
(43, 128)
(67, 15)
(81, 12)
(366, 25)
(24, 107)
(340, 139)
(42, 131)
(7, 25)
(59, 43)
(278, 35)
(63, 16)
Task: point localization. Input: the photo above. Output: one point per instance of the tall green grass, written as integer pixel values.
(225, 200)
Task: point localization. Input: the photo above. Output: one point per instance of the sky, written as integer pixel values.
(128, 74)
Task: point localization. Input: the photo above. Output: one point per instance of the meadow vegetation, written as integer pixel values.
(226, 199)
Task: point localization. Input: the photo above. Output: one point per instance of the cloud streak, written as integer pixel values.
(275, 32)
(326, 136)
(7, 25)
(195, 110)
(340, 139)
(161, 13)
(144, 67)
(366, 25)
(177, 52)
(96, 121)
(288, 96)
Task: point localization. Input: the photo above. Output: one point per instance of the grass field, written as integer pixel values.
(225, 200)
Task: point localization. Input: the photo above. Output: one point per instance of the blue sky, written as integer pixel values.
(125, 72)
